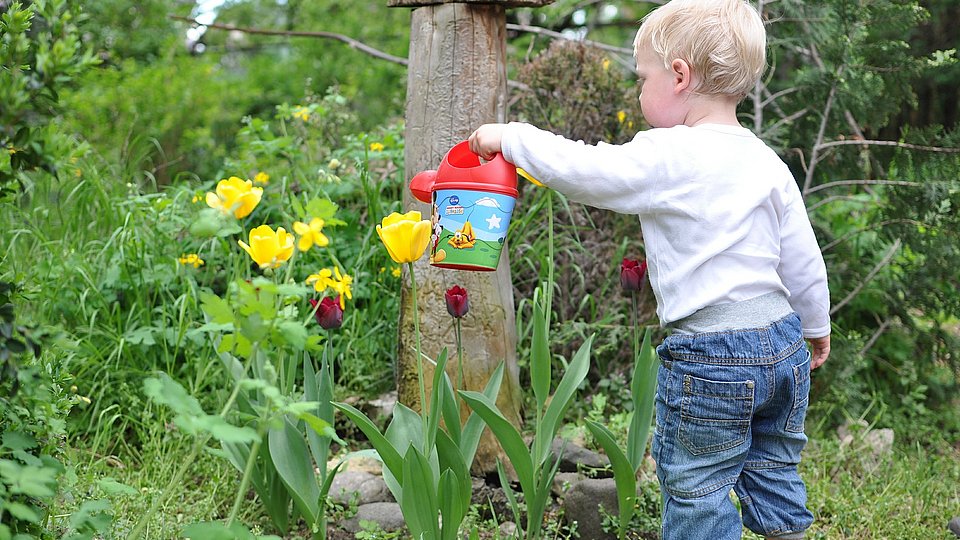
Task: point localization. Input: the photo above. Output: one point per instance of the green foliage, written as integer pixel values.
(533, 465)
(33, 404)
(40, 55)
(576, 91)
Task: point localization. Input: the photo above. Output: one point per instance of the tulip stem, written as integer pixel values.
(636, 326)
(456, 321)
(423, 391)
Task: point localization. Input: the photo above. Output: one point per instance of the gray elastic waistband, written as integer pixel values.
(752, 313)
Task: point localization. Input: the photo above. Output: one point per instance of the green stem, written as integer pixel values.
(247, 472)
(549, 292)
(636, 326)
(459, 357)
(423, 390)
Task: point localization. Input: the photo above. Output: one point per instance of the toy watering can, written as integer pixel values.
(472, 204)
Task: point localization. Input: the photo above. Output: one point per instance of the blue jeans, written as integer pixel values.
(730, 412)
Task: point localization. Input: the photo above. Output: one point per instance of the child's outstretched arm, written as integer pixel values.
(485, 141)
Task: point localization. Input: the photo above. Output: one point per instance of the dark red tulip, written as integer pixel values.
(632, 273)
(457, 303)
(329, 314)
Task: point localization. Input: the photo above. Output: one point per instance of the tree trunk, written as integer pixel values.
(457, 80)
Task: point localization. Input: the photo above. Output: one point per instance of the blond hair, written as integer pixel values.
(723, 41)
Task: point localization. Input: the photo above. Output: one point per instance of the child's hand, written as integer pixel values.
(485, 141)
(821, 350)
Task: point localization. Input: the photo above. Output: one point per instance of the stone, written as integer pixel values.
(573, 457)
(386, 515)
(582, 505)
(563, 481)
(509, 529)
(872, 444)
(954, 526)
(360, 486)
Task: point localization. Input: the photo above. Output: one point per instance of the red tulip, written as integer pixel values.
(457, 303)
(329, 314)
(632, 273)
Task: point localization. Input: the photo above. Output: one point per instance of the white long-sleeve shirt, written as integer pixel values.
(721, 214)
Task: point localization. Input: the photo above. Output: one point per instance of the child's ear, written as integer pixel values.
(680, 70)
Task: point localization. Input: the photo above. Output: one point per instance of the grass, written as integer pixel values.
(911, 493)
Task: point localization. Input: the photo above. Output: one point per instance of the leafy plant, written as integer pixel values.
(627, 463)
(532, 464)
(33, 404)
(40, 55)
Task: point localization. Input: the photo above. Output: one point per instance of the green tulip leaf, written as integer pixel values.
(507, 434)
(540, 355)
(451, 505)
(643, 386)
(291, 458)
(624, 474)
(419, 504)
(569, 383)
(473, 428)
(388, 454)
(450, 410)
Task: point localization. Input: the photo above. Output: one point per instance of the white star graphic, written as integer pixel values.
(493, 222)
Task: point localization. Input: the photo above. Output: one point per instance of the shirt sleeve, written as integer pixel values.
(612, 177)
(802, 269)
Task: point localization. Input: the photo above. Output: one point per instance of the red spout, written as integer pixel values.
(422, 186)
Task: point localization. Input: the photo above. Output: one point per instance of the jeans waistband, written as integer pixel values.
(753, 313)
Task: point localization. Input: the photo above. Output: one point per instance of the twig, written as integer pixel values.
(839, 183)
(557, 35)
(847, 236)
(873, 339)
(853, 142)
(785, 120)
(863, 282)
(353, 43)
(815, 153)
(830, 199)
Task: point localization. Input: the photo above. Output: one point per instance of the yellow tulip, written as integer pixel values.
(405, 236)
(267, 248)
(235, 196)
(310, 234)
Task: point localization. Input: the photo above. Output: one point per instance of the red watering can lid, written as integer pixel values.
(462, 169)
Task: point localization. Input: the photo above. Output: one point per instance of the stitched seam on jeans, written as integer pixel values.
(705, 490)
(772, 359)
(765, 465)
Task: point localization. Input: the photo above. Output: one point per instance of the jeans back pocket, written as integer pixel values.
(714, 415)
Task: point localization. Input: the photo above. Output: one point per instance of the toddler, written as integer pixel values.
(733, 263)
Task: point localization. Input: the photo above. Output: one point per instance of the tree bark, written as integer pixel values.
(457, 80)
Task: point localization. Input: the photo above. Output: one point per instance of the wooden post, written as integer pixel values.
(457, 80)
